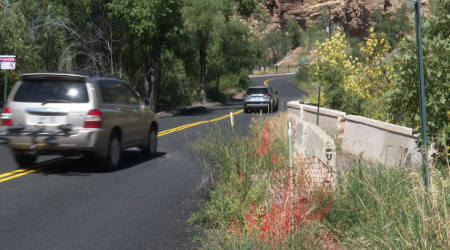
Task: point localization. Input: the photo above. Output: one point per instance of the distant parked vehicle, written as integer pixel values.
(74, 115)
(260, 97)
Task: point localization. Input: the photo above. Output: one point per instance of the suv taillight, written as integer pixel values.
(93, 119)
(6, 117)
(267, 94)
(247, 94)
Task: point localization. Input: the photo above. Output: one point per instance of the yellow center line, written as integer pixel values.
(165, 132)
(21, 172)
(266, 81)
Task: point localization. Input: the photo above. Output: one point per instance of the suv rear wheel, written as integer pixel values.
(25, 160)
(111, 161)
(150, 149)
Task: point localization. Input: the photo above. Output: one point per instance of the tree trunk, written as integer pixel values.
(218, 87)
(149, 69)
(145, 70)
(154, 68)
(203, 46)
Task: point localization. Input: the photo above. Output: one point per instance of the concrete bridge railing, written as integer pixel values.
(378, 141)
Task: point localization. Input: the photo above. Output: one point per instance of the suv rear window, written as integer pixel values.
(257, 91)
(54, 90)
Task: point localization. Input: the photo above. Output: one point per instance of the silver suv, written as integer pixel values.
(74, 115)
(260, 97)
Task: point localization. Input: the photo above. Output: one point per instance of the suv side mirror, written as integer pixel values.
(276, 92)
(147, 101)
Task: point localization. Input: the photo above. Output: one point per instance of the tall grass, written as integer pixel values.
(389, 208)
(232, 196)
(374, 207)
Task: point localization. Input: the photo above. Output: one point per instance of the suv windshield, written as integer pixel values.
(52, 91)
(257, 91)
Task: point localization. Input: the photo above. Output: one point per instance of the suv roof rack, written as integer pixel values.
(88, 74)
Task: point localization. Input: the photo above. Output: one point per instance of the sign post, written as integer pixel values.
(151, 97)
(423, 109)
(7, 62)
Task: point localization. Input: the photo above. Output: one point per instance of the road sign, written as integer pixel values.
(8, 65)
(411, 3)
(7, 62)
(303, 60)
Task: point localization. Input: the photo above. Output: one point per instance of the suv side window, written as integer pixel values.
(113, 92)
(132, 97)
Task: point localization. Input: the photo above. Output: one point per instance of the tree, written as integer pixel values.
(294, 34)
(203, 18)
(357, 82)
(404, 98)
(394, 25)
(153, 25)
(230, 52)
(276, 40)
(370, 76)
(329, 69)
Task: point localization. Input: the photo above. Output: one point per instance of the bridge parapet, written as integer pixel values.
(379, 142)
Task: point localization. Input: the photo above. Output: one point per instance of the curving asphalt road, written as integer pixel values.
(69, 204)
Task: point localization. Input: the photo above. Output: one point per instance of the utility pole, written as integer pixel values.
(421, 78)
(329, 27)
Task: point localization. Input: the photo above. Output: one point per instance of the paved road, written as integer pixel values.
(69, 204)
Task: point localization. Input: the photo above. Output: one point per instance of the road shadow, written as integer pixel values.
(87, 166)
(199, 110)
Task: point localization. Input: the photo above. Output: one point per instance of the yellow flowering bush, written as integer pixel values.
(330, 56)
(372, 76)
(352, 84)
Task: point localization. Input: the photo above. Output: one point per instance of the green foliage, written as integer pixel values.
(176, 89)
(132, 40)
(277, 40)
(404, 98)
(395, 25)
(294, 34)
(314, 33)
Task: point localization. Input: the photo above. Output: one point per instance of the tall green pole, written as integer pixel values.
(5, 94)
(291, 176)
(318, 107)
(423, 109)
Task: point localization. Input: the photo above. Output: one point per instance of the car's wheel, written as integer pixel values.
(25, 160)
(246, 110)
(111, 161)
(150, 149)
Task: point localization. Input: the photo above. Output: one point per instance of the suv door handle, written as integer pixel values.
(118, 109)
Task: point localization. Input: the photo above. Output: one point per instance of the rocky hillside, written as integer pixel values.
(353, 15)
